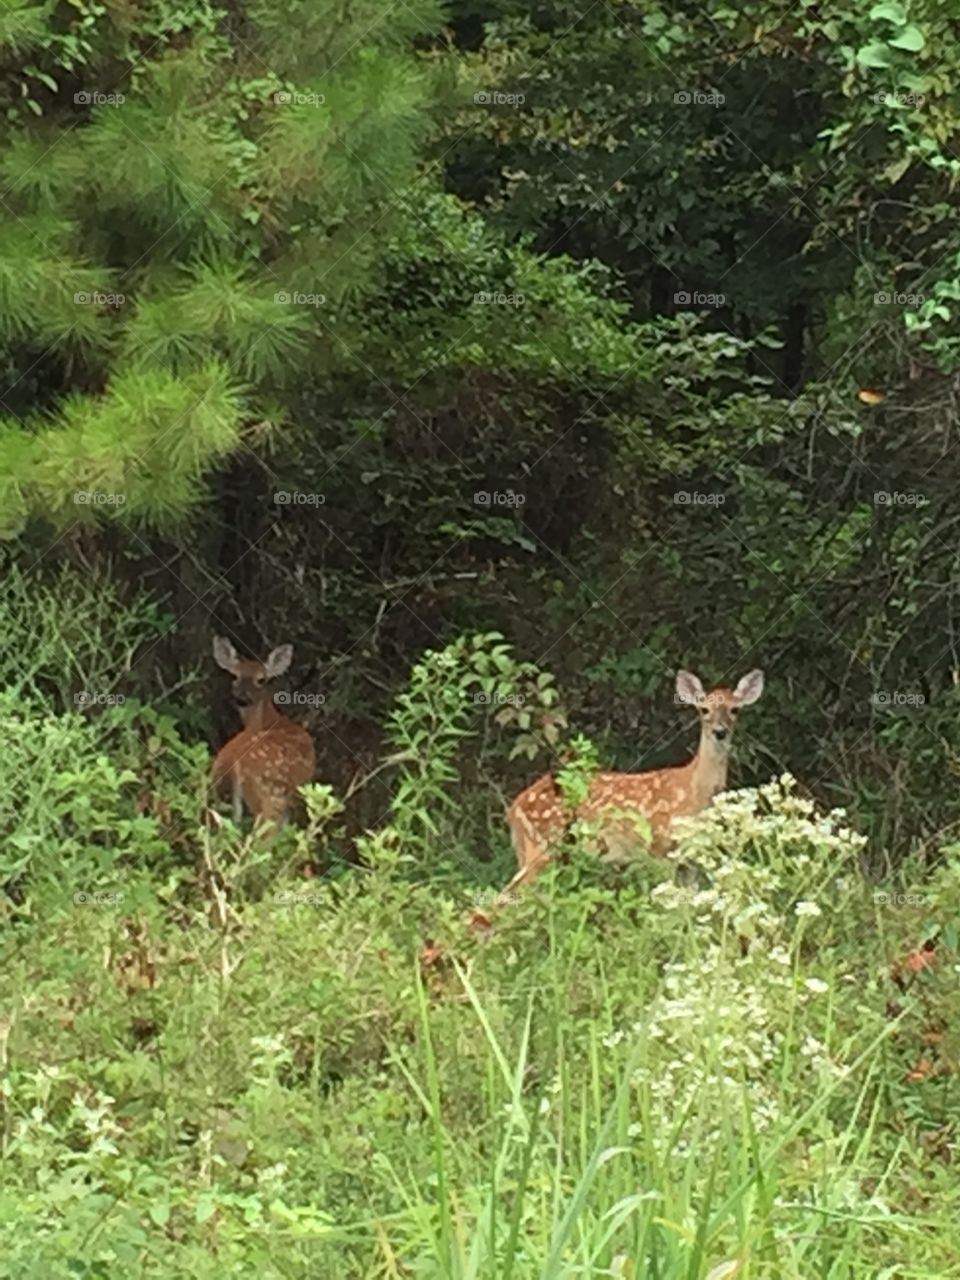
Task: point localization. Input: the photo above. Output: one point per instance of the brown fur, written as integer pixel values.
(262, 766)
(538, 818)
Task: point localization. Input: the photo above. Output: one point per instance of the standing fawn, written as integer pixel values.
(538, 817)
(262, 765)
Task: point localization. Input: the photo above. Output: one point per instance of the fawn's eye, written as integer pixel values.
(734, 711)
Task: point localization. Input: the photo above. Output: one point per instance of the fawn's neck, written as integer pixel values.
(708, 769)
(261, 715)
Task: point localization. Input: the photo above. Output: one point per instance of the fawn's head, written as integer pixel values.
(718, 708)
(251, 677)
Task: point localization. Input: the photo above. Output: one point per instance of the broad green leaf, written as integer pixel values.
(874, 55)
(205, 1207)
(891, 10)
(911, 38)
(897, 168)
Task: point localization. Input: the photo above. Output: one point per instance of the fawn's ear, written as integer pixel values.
(749, 689)
(689, 688)
(225, 655)
(278, 660)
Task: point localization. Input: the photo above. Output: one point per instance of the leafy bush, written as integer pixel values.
(70, 636)
(330, 1077)
(451, 692)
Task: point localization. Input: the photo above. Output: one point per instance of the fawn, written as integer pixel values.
(538, 817)
(263, 765)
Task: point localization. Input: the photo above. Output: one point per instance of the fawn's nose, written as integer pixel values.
(721, 732)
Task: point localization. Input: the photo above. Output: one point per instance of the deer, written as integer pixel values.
(538, 817)
(262, 766)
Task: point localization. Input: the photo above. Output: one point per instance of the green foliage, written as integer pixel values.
(98, 798)
(581, 367)
(476, 340)
(170, 215)
(450, 691)
(575, 777)
(293, 1084)
(69, 632)
(210, 1063)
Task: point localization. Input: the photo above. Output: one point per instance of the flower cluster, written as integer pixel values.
(732, 1023)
